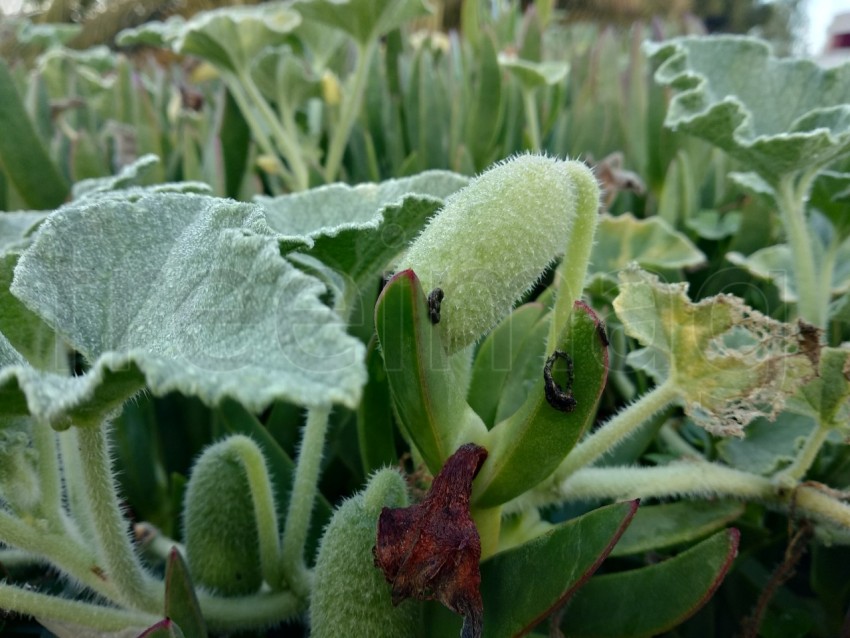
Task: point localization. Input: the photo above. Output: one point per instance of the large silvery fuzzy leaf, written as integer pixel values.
(154, 34)
(231, 37)
(359, 229)
(363, 20)
(182, 293)
(728, 363)
(652, 243)
(532, 75)
(139, 173)
(776, 263)
(778, 116)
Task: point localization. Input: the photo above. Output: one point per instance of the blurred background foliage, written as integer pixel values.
(467, 85)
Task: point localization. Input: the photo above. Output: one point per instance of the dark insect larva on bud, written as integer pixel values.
(559, 398)
(435, 301)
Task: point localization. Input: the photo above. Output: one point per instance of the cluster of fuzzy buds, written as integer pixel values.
(492, 240)
(350, 596)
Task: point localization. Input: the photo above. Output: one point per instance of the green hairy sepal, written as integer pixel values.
(351, 596)
(492, 240)
(220, 523)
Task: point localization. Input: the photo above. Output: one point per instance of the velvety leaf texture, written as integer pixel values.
(190, 292)
(361, 19)
(765, 111)
(328, 210)
(652, 243)
(230, 37)
(359, 230)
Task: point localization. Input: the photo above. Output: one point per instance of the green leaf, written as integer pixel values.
(47, 35)
(651, 600)
(496, 360)
(23, 156)
(826, 397)
(670, 524)
(482, 122)
(154, 33)
(651, 242)
(26, 332)
(729, 363)
(830, 195)
(165, 628)
(426, 394)
(375, 423)
(235, 138)
(776, 264)
(139, 173)
(363, 20)
(358, 230)
(16, 229)
(767, 447)
(231, 37)
(766, 112)
(187, 293)
(525, 371)
(181, 603)
(532, 75)
(284, 78)
(713, 225)
(524, 584)
(526, 447)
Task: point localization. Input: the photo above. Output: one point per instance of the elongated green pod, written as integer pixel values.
(220, 524)
(492, 240)
(350, 595)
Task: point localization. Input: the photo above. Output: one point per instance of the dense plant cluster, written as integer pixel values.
(315, 317)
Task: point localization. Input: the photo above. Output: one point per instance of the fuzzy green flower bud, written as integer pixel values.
(492, 240)
(350, 595)
(220, 527)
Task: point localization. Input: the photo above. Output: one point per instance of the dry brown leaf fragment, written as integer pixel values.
(431, 550)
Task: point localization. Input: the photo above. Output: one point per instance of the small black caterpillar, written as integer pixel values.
(558, 397)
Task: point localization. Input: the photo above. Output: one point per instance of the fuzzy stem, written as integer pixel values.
(80, 522)
(109, 525)
(264, 507)
(75, 612)
(813, 302)
(613, 432)
(701, 479)
(805, 457)
(576, 255)
(349, 110)
(532, 121)
(258, 131)
(49, 478)
(285, 142)
(62, 552)
(246, 612)
(304, 488)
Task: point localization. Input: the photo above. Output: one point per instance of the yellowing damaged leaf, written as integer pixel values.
(728, 362)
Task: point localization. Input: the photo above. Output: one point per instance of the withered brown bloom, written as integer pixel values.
(431, 550)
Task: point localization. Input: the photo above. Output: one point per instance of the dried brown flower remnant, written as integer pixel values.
(431, 550)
